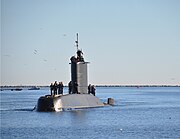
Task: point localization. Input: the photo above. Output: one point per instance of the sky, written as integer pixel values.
(127, 42)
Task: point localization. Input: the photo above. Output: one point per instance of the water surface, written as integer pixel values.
(139, 113)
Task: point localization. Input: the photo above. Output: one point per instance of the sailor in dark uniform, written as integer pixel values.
(79, 56)
(60, 88)
(89, 89)
(93, 90)
(70, 85)
(51, 88)
(55, 88)
(75, 88)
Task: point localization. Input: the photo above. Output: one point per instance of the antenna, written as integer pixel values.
(77, 42)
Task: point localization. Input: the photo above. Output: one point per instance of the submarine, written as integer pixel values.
(78, 96)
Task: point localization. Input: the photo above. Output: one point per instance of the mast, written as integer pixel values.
(77, 42)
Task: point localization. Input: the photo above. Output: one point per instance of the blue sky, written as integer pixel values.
(127, 41)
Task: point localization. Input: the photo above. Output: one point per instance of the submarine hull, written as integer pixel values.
(69, 101)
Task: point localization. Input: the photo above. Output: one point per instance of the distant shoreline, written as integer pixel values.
(29, 86)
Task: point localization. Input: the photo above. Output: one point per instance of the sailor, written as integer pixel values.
(75, 88)
(55, 87)
(51, 88)
(60, 88)
(79, 53)
(70, 85)
(93, 90)
(79, 56)
(89, 89)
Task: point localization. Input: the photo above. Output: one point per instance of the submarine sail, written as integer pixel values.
(79, 76)
(82, 78)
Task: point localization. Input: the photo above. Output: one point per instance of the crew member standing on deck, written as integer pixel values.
(93, 90)
(55, 87)
(89, 89)
(70, 85)
(51, 88)
(75, 88)
(60, 88)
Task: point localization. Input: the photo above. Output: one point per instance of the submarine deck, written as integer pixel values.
(68, 101)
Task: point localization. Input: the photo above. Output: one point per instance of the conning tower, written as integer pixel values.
(79, 76)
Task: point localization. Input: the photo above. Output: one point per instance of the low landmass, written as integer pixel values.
(27, 86)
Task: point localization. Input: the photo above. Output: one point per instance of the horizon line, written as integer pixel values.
(101, 85)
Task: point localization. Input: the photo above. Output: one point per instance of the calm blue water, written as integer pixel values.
(144, 113)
